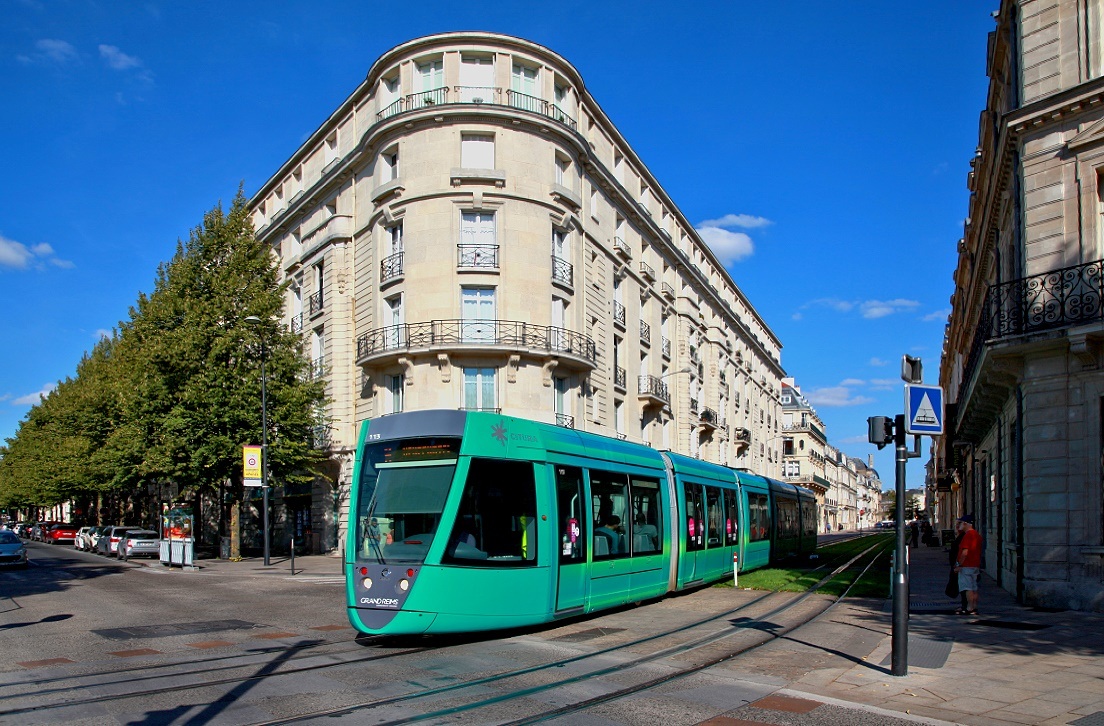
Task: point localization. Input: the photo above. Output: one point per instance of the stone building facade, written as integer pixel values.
(469, 230)
(1021, 363)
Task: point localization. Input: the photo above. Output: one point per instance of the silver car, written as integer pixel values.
(83, 538)
(139, 543)
(13, 552)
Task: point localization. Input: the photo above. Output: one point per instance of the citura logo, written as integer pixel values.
(499, 433)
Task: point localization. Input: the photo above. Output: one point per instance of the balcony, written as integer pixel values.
(645, 333)
(385, 345)
(1038, 306)
(315, 304)
(622, 248)
(707, 418)
(477, 257)
(665, 347)
(619, 378)
(489, 95)
(296, 324)
(391, 268)
(339, 226)
(647, 272)
(318, 367)
(619, 314)
(693, 405)
(652, 391)
(563, 271)
(562, 419)
(667, 291)
(741, 437)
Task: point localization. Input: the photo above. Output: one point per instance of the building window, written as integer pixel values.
(395, 238)
(479, 388)
(330, 148)
(431, 75)
(395, 317)
(389, 165)
(395, 393)
(477, 151)
(476, 79)
(477, 228)
(477, 308)
(563, 164)
(525, 89)
(594, 202)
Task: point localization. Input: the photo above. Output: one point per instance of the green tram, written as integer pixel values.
(466, 521)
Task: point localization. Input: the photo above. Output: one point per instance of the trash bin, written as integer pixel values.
(224, 548)
(946, 536)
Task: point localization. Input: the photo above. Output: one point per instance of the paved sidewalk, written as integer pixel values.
(1008, 665)
(307, 566)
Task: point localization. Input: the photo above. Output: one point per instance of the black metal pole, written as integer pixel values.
(900, 573)
(264, 452)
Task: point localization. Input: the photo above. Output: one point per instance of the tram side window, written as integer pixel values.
(647, 522)
(758, 517)
(808, 519)
(732, 517)
(610, 508)
(714, 510)
(570, 511)
(496, 522)
(787, 517)
(695, 518)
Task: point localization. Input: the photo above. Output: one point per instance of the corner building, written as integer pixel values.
(1022, 365)
(469, 230)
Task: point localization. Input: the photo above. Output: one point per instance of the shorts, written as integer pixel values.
(968, 578)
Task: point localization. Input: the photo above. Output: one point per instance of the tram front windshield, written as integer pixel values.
(402, 491)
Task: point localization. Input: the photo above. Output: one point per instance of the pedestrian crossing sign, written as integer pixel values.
(923, 410)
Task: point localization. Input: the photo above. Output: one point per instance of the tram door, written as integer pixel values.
(571, 585)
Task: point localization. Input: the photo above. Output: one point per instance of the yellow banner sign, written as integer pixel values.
(251, 462)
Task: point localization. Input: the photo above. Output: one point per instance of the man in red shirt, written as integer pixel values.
(968, 564)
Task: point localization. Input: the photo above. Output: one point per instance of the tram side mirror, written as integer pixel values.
(881, 430)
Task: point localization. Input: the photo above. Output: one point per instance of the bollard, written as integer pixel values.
(293, 555)
(735, 568)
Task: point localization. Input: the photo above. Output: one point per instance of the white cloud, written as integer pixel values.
(117, 59)
(852, 440)
(936, 315)
(835, 397)
(101, 333)
(49, 51)
(878, 362)
(883, 384)
(728, 246)
(872, 309)
(17, 255)
(33, 398)
(852, 382)
(743, 221)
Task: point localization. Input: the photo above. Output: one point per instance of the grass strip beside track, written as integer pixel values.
(803, 574)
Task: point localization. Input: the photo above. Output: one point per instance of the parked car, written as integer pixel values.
(139, 543)
(81, 542)
(94, 537)
(22, 528)
(61, 533)
(13, 551)
(109, 541)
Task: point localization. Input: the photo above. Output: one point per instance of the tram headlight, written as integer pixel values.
(367, 582)
(404, 585)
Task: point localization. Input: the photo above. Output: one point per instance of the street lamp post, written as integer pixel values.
(264, 443)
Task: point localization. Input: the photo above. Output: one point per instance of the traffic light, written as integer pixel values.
(881, 430)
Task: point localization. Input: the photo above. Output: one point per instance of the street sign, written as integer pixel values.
(923, 410)
(251, 466)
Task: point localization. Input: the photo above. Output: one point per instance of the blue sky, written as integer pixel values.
(821, 148)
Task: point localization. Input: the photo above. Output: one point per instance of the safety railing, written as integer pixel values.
(477, 256)
(496, 333)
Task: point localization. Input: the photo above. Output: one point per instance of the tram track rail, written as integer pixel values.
(274, 667)
(681, 649)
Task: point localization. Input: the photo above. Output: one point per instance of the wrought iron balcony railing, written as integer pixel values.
(645, 332)
(296, 324)
(391, 267)
(666, 347)
(318, 367)
(315, 303)
(622, 248)
(619, 377)
(482, 95)
(493, 333)
(562, 270)
(647, 271)
(619, 313)
(1048, 301)
(562, 419)
(477, 256)
(667, 290)
(708, 416)
(693, 405)
(653, 386)
(741, 434)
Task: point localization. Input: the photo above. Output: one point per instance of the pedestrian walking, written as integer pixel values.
(914, 534)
